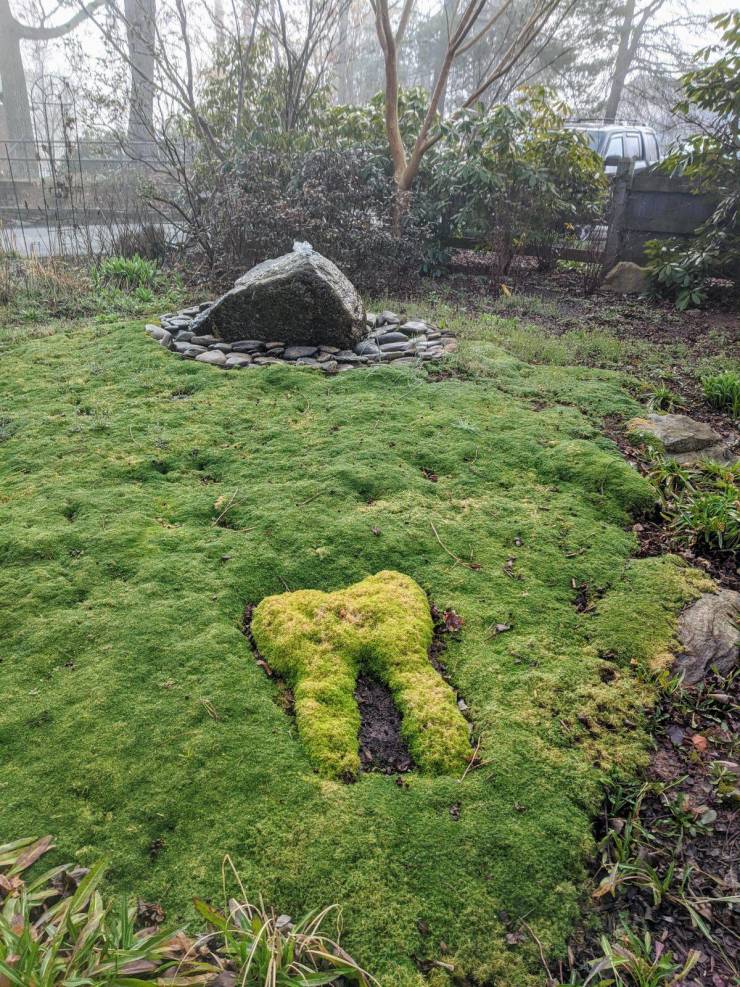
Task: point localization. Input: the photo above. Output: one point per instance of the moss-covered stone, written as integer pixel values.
(319, 642)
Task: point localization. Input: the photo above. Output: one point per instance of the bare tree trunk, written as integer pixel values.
(13, 77)
(621, 64)
(344, 66)
(140, 34)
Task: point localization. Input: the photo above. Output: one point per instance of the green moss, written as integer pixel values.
(320, 641)
(636, 621)
(602, 473)
(134, 723)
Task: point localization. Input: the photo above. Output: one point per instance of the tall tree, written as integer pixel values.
(465, 30)
(141, 18)
(13, 32)
(632, 25)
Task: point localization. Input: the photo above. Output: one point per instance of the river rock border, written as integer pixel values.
(389, 339)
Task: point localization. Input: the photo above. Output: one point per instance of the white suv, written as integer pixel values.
(619, 140)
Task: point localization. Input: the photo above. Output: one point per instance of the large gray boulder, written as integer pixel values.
(709, 636)
(301, 298)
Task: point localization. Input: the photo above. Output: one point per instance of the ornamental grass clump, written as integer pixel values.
(56, 930)
(319, 642)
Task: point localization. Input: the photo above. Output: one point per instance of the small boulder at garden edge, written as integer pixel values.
(682, 438)
(301, 298)
(709, 636)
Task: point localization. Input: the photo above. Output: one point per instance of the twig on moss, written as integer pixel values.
(475, 566)
(228, 507)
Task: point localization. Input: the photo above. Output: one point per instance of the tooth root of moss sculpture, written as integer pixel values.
(319, 642)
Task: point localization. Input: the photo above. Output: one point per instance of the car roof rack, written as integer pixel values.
(594, 122)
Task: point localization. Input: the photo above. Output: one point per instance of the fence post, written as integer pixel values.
(620, 194)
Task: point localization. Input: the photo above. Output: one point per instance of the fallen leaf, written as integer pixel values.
(700, 743)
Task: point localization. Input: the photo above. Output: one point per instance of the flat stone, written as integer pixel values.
(221, 347)
(675, 433)
(303, 293)
(183, 347)
(189, 313)
(214, 357)
(275, 344)
(247, 346)
(192, 351)
(709, 636)
(299, 352)
(406, 361)
(415, 327)
(387, 318)
(204, 340)
(391, 337)
(333, 350)
(235, 361)
(263, 361)
(394, 347)
(347, 356)
(367, 348)
(307, 361)
(156, 332)
(178, 322)
(166, 340)
(183, 336)
(330, 367)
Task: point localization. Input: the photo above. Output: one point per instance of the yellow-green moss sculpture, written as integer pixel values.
(319, 642)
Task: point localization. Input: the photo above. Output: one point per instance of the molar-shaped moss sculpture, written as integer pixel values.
(319, 642)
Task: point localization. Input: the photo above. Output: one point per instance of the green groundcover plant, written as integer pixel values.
(147, 500)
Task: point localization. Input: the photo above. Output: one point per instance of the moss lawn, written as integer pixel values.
(146, 500)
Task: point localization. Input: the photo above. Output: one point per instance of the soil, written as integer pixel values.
(382, 747)
(688, 819)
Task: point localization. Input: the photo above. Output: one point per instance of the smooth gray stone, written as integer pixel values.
(183, 336)
(299, 352)
(307, 361)
(192, 351)
(388, 318)
(367, 348)
(222, 347)
(204, 340)
(214, 357)
(416, 327)
(247, 346)
(347, 356)
(391, 337)
(235, 361)
(402, 347)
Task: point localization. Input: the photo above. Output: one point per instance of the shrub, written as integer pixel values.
(711, 160)
(514, 173)
(126, 272)
(723, 391)
(339, 201)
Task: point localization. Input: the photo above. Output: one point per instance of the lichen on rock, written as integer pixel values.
(319, 642)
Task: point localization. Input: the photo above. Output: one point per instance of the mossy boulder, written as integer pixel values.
(319, 642)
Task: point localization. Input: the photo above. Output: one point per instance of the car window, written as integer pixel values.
(615, 148)
(651, 147)
(632, 146)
